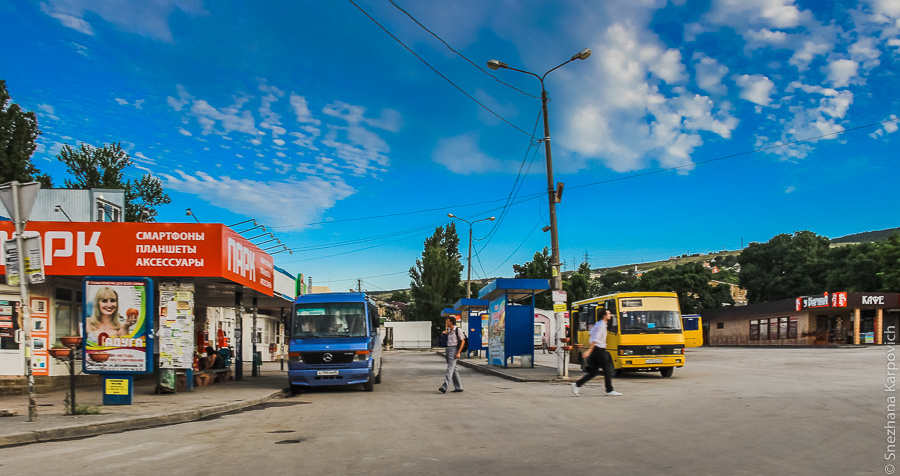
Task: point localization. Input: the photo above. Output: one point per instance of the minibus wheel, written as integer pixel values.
(296, 390)
(369, 385)
(380, 369)
(667, 371)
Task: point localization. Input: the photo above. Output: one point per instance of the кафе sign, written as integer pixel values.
(148, 249)
(853, 300)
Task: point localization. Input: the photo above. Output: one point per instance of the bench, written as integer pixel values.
(205, 378)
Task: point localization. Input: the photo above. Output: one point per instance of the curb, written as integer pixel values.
(126, 424)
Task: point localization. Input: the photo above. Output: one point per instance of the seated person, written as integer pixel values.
(213, 360)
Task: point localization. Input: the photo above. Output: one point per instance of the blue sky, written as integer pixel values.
(310, 118)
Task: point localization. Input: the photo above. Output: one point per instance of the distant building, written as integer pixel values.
(66, 204)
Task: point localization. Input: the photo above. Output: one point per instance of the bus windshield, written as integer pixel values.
(332, 319)
(634, 322)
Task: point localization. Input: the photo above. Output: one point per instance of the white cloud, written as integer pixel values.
(184, 131)
(709, 74)
(638, 107)
(149, 18)
(274, 200)
(462, 155)
(790, 189)
(301, 110)
(755, 88)
(47, 111)
(841, 72)
(121, 101)
(67, 20)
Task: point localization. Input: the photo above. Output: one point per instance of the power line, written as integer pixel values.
(436, 71)
(458, 53)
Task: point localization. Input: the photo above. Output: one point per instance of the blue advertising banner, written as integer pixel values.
(117, 325)
(497, 331)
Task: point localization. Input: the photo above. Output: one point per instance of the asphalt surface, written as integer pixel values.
(150, 409)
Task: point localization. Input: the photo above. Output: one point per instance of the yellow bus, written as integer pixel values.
(644, 334)
(693, 330)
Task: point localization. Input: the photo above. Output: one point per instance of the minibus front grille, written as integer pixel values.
(651, 349)
(319, 358)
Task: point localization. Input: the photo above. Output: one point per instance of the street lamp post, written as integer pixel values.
(555, 278)
(469, 276)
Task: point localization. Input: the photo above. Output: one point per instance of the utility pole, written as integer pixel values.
(21, 197)
(359, 285)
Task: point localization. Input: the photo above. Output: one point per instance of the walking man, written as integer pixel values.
(597, 357)
(454, 346)
(544, 343)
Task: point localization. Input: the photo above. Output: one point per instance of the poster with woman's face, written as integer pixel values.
(117, 324)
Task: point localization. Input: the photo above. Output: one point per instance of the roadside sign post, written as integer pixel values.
(19, 198)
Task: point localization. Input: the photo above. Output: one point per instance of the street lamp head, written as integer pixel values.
(495, 65)
(492, 218)
(582, 55)
(451, 215)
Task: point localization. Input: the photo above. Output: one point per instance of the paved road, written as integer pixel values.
(731, 411)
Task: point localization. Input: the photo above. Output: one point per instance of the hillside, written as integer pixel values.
(866, 236)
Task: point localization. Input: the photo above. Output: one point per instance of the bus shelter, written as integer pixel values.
(475, 312)
(511, 320)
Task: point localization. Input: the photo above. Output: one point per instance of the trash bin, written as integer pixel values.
(257, 363)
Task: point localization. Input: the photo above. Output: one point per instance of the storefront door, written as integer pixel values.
(12, 354)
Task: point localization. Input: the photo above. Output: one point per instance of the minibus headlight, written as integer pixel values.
(678, 351)
(362, 355)
(626, 352)
(296, 357)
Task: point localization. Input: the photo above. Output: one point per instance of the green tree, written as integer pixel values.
(104, 167)
(889, 262)
(580, 286)
(854, 268)
(537, 268)
(399, 296)
(784, 267)
(691, 282)
(18, 141)
(436, 278)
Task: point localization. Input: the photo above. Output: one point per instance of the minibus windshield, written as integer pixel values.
(333, 319)
(650, 322)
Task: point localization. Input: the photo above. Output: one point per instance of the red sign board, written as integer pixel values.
(149, 249)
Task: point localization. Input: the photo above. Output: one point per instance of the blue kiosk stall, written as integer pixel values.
(511, 319)
(475, 314)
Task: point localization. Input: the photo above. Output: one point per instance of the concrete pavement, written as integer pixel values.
(149, 409)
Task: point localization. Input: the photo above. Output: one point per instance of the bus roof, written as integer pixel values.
(331, 297)
(627, 295)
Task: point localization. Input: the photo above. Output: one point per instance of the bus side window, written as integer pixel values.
(614, 320)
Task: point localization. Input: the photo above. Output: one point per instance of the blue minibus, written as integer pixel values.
(335, 339)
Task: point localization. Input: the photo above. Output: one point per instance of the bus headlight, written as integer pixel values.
(295, 357)
(626, 352)
(678, 351)
(361, 355)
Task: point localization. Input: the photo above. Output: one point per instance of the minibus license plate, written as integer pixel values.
(328, 372)
(653, 361)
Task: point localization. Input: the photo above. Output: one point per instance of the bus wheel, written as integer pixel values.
(296, 390)
(380, 369)
(369, 385)
(618, 373)
(667, 371)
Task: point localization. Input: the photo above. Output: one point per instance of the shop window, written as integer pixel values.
(782, 328)
(754, 330)
(763, 329)
(792, 327)
(67, 315)
(773, 328)
(108, 212)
